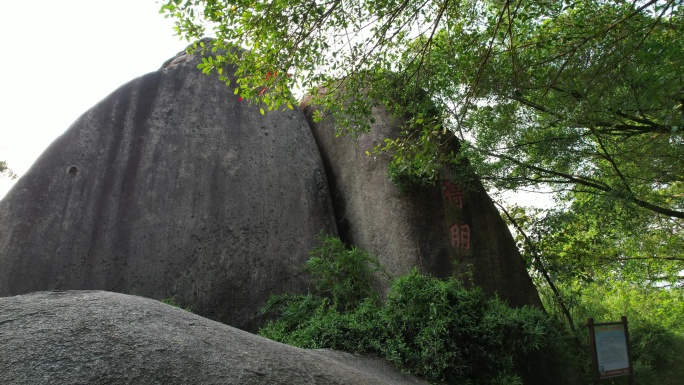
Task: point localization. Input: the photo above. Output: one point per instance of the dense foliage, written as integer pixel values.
(623, 263)
(656, 325)
(430, 327)
(584, 96)
(622, 244)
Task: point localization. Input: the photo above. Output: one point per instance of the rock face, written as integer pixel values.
(441, 229)
(94, 337)
(170, 188)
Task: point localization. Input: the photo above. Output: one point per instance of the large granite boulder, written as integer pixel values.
(444, 229)
(95, 337)
(171, 187)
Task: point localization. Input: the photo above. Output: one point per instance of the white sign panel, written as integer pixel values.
(611, 350)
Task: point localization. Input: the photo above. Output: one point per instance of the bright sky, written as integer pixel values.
(61, 57)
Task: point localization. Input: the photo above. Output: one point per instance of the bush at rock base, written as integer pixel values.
(431, 327)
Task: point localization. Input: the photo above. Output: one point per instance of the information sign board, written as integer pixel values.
(610, 349)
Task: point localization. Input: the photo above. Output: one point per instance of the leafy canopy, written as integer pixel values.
(576, 244)
(595, 245)
(584, 96)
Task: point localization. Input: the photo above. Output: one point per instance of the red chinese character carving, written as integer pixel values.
(460, 236)
(453, 194)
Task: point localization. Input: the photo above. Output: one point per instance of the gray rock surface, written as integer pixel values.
(415, 228)
(94, 337)
(403, 229)
(171, 188)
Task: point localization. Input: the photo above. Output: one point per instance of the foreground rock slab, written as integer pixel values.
(96, 337)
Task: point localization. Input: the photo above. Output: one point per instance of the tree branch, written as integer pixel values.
(588, 182)
(540, 264)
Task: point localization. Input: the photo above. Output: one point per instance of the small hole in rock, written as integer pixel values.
(73, 170)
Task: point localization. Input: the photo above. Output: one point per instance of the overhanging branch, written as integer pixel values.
(593, 183)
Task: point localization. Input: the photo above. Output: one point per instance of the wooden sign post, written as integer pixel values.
(611, 353)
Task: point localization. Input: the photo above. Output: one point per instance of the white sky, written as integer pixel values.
(60, 57)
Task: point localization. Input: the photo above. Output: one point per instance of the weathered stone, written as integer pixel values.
(415, 228)
(171, 187)
(94, 337)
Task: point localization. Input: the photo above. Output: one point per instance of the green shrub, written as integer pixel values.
(433, 328)
(658, 354)
(171, 302)
(343, 274)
